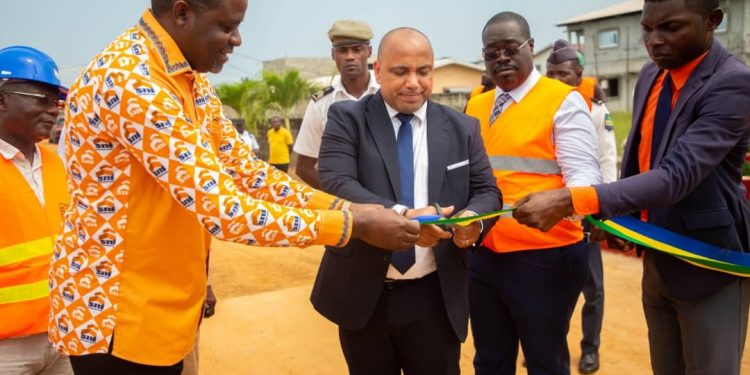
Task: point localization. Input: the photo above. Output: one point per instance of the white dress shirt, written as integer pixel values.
(249, 139)
(32, 172)
(607, 143)
(574, 135)
(425, 258)
(316, 115)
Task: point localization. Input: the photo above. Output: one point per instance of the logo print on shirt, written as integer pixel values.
(160, 121)
(182, 152)
(132, 134)
(104, 269)
(102, 145)
(89, 334)
(156, 167)
(111, 99)
(96, 302)
(185, 199)
(108, 238)
(207, 181)
(210, 225)
(231, 207)
(292, 223)
(144, 89)
(75, 170)
(107, 206)
(78, 261)
(105, 174)
(68, 292)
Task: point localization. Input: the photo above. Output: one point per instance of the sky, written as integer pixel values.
(73, 31)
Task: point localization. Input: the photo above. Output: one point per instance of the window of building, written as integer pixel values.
(611, 87)
(724, 25)
(609, 38)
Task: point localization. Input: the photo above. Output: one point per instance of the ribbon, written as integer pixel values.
(462, 221)
(692, 251)
(648, 235)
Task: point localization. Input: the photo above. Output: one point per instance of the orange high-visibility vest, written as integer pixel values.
(522, 154)
(27, 235)
(587, 88)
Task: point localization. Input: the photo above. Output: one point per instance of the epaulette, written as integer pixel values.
(597, 101)
(315, 97)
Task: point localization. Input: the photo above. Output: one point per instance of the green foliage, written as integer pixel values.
(254, 98)
(622, 122)
(249, 98)
(286, 90)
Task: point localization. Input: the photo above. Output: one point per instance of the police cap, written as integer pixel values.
(345, 32)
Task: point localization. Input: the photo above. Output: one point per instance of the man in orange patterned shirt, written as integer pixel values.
(155, 168)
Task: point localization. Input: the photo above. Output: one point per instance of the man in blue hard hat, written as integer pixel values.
(33, 199)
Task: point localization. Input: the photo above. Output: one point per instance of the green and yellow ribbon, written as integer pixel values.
(648, 235)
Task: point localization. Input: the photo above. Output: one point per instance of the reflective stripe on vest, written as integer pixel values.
(527, 165)
(25, 292)
(27, 250)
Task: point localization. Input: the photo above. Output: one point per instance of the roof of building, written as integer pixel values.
(627, 7)
(440, 63)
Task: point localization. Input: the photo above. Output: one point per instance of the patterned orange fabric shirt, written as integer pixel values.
(154, 165)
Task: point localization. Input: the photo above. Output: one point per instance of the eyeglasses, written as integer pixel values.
(509, 52)
(50, 101)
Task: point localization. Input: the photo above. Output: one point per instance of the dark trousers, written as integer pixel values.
(592, 312)
(525, 296)
(701, 336)
(282, 167)
(409, 330)
(96, 364)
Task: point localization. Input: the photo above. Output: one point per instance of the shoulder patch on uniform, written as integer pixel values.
(608, 124)
(318, 95)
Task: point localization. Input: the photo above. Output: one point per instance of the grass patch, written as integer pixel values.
(622, 122)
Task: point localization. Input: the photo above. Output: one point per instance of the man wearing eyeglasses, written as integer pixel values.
(538, 133)
(33, 197)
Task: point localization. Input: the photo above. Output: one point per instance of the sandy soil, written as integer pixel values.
(265, 324)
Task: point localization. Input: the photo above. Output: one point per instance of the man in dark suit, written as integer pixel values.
(682, 166)
(398, 149)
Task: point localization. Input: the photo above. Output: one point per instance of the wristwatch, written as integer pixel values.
(400, 209)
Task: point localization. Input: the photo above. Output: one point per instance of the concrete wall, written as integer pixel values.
(624, 62)
(455, 78)
(308, 67)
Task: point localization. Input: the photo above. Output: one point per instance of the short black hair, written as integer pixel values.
(703, 7)
(161, 6)
(510, 16)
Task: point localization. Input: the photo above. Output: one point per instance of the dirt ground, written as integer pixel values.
(265, 324)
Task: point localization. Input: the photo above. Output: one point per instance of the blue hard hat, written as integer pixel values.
(29, 64)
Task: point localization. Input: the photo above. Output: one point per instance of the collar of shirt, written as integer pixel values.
(339, 90)
(10, 152)
(682, 74)
(171, 56)
(520, 92)
(420, 114)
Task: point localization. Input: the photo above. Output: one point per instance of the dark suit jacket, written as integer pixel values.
(359, 162)
(694, 188)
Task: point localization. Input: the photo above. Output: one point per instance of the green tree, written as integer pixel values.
(286, 90)
(249, 98)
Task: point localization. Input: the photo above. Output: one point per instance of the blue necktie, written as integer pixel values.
(661, 117)
(403, 260)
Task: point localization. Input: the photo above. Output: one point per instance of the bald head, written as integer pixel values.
(403, 36)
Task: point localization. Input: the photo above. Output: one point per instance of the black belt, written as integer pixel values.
(391, 284)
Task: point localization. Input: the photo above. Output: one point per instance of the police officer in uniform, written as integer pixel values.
(351, 49)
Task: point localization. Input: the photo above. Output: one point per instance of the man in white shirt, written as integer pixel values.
(399, 149)
(564, 64)
(246, 136)
(351, 49)
(538, 132)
